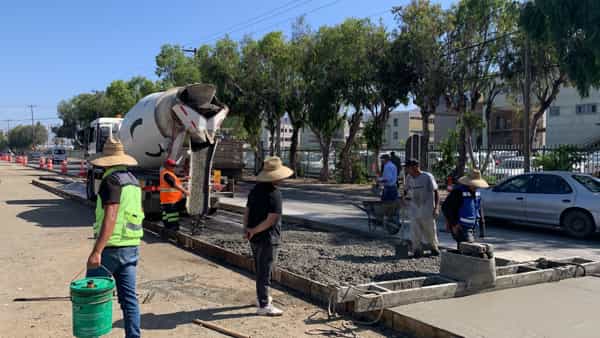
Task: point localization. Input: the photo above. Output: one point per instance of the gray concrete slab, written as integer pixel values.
(568, 308)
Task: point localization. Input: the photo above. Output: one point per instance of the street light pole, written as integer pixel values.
(527, 109)
(31, 106)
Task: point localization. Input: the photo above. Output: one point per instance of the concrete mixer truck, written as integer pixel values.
(180, 124)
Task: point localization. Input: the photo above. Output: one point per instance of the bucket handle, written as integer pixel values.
(85, 268)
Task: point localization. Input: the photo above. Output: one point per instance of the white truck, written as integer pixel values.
(180, 124)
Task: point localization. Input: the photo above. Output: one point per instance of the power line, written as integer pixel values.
(250, 20)
(274, 13)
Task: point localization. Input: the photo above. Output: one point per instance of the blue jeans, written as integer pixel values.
(122, 263)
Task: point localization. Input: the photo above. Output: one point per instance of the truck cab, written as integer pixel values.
(95, 135)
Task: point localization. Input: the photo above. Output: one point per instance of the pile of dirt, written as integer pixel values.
(328, 257)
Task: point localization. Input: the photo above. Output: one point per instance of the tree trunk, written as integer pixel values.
(345, 154)
(425, 140)
(272, 137)
(462, 153)
(325, 146)
(294, 149)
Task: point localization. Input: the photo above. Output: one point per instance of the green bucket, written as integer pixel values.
(91, 299)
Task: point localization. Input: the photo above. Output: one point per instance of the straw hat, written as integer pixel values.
(113, 154)
(473, 179)
(273, 170)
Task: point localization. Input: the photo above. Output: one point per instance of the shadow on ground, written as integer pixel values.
(54, 212)
(169, 321)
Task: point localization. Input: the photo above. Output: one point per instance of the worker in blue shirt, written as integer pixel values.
(389, 179)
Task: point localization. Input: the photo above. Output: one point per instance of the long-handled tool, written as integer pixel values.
(220, 329)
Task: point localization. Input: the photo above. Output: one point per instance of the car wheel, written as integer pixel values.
(578, 223)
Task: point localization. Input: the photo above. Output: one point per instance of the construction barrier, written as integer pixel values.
(49, 164)
(42, 163)
(63, 167)
(25, 160)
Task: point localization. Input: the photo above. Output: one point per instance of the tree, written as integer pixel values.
(421, 42)
(390, 82)
(141, 87)
(324, 91)
(174, 68)
(23, 138)
(296, 106)
(479, 30)
(80, 110)
(120, 96)
(3, 142)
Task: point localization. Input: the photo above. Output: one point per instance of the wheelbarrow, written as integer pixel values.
(390, 215)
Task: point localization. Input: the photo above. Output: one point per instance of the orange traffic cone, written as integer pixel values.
(24, 161)
(49, 164)
(42, 163)
(82, 169)
(63, 167)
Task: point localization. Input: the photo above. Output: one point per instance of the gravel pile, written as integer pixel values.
(328, 257)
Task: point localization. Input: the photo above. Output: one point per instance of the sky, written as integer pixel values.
(53, 50)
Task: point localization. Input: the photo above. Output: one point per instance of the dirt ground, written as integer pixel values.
(328, 257)
(46, 241)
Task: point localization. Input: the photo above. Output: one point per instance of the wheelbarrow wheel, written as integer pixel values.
(391, 227)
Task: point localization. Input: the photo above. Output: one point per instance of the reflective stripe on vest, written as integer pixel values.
(128, 226)
(168, 194)
(469, 210)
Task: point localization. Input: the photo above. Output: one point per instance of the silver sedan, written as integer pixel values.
(552, 198)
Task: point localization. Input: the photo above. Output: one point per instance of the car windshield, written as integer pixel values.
(59, 151)
(590, 183)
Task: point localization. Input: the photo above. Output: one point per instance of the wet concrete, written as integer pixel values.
(568, 308)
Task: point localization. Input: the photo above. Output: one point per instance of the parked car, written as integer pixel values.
(57, 154)
(552, 198)
(34, 156)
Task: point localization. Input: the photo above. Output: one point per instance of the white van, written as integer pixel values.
(58, 155)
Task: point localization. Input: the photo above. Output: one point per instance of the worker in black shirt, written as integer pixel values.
(462, 208)
(262, 224)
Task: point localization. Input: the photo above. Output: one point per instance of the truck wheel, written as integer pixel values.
(578, 224)
(90, 187)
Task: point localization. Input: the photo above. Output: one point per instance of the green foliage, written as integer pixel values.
(372, 132)
(448, 149)
(572, 29)
(3, 142)
(565, 157)
(26, 137)
(174, 68)
(120, 96)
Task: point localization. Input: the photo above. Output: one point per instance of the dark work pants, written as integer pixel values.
(170, 214)
(265, 259)
(463, 235)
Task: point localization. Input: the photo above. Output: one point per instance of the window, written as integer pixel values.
(550, 184)
(395, 135)
(590, 183)
(508, 124)
(395, 122)
(515, 185)
(554, 111)
(586, 109)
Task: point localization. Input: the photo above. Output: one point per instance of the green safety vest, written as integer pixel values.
(128, 228)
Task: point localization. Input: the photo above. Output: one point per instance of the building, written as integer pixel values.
(401, 125)
(573, 119)
(309, 141)
(286, 130)
(505, 125)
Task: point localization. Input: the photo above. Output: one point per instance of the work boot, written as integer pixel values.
(270, 311)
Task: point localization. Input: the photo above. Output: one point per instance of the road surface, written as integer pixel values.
(46, 240)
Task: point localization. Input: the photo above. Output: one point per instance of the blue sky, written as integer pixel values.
(52, 50)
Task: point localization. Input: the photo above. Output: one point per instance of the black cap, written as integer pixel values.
(385, 157)
(411, 162)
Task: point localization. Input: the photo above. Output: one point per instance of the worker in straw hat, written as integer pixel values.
(463, 210)
(118, 230)
(262, 224)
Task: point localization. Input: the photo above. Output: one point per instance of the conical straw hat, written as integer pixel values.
(273, 170)
(113, 154)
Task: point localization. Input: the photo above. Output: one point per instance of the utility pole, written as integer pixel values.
(527, 108)
(31, 106)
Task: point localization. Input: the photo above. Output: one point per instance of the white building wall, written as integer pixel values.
(568, 124)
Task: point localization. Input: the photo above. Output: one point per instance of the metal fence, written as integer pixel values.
(502, 161)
